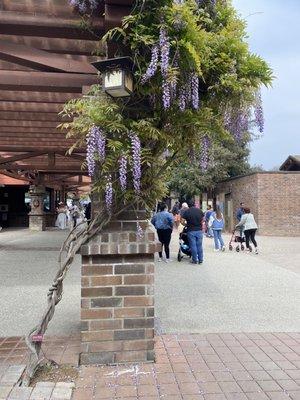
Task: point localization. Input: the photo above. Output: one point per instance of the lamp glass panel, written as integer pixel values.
(113, 79)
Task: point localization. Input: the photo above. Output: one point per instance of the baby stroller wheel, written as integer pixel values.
(242, 247)
(237, 249)
(230, 247)
(179, 256)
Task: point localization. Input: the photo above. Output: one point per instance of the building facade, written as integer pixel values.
(273, 197)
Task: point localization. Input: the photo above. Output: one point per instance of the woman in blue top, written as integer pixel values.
(163, 223)
(217, 224)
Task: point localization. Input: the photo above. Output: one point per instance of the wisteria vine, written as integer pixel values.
(95, 146)
(136, 162)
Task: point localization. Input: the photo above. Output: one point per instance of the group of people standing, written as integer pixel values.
(196, 223)
(70, 217)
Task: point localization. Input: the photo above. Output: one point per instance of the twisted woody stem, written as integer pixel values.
(77, 237)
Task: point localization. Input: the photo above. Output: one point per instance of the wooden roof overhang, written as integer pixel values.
(45, 60)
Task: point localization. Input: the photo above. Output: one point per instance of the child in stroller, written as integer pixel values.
(184, 247)
(237, 237)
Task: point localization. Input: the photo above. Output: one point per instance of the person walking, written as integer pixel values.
(208, 214)
(249, 225)
(193, 220)
(175, 212)
(216, 223)
(163, 222)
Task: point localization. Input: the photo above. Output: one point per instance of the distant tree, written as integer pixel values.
(230, 159)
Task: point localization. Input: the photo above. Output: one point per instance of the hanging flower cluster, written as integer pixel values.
(83, 6)
(109, 194)
(259, 113)
(204, 156)
(236, 121)
(136, 161)
(188, 94)
(95, 146)
(123, 172)
(152, 68)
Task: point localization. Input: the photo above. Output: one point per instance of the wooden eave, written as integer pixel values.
(45, 60)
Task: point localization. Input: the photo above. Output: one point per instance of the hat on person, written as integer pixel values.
(185, 205)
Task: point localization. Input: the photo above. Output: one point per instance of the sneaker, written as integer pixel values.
(223, 248)
(193, 262)
(159, 259)
(216, 249)
(168, 260)
(256, 251)
(200, 262)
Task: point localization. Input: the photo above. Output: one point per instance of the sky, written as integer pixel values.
(274, 34)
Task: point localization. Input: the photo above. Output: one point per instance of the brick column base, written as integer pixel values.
(117, 306)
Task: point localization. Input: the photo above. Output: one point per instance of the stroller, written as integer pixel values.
(239, 239)
(184, 247)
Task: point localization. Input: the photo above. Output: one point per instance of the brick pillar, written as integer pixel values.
(37, 218)
(117, 304)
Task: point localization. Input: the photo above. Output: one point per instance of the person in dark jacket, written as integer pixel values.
(163, 222)
(193, 220)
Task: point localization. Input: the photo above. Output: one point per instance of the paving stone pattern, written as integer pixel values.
(42, 391)
(251, 366)
(61, 349)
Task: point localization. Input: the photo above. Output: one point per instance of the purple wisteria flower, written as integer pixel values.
(164, 51)
(182, 99)
(139, 231)
(109, 194)
(195, 91)
(166, 95)
(259, 113)
(95, 146)
(123, 172)
(136, 162)
(204, 156)
(152, 68)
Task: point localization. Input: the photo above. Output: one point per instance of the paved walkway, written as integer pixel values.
(230, 292)
(238, 366)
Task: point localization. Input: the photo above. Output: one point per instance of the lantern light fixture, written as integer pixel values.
(117, 77)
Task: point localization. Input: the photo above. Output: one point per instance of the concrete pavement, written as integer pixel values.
(230, 292)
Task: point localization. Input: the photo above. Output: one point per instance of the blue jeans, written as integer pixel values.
(209, 232)
(219, 242)
(195, 242)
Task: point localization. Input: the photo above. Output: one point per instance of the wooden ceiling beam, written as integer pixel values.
(33, 116)
(37, 97)
(45, 81)
(46, 130)
(34, 24)
(41, 60)
(47, 149)
(43, 168)
(19, 157)
(27, 124)
(58, 45)
(29, 106)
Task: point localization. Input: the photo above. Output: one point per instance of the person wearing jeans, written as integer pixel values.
(163, 222)
(217, 225)
(192, 218)
(250, 227)
(195, 242)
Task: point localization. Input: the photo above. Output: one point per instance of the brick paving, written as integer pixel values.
(61, 349)
(239, 366)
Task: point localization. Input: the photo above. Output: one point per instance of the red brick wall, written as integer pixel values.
(274, 199)
(279, 204)
(244, 189)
